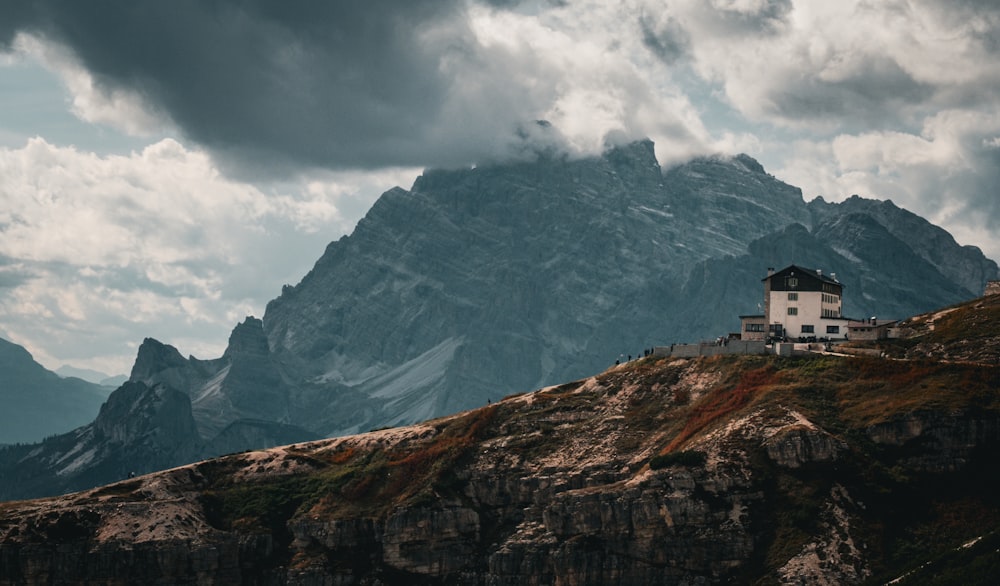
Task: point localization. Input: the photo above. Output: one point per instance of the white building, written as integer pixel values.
(801, 303)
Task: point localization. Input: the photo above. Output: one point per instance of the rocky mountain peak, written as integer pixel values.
(247, 338)
(137, 413)
(14, 355)
(154, 357)
(636, 158)
(966, 266)
(750, 163)
(37, 402)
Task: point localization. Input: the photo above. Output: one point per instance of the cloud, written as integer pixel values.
(322, 106)
(890, 99)
(120, 108)
(328, 85)
(274, 90)
(948, 172)
(94, 249)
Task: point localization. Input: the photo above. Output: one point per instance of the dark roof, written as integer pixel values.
(813, 272)
(865, 323)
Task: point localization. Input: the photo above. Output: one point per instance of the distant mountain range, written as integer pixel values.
(91, 376)
(478, 283)
(39, 403)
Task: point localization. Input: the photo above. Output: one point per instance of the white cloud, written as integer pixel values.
(157, 242)
(894, 99)
(947, 173)
(119, 108)
(590, 76)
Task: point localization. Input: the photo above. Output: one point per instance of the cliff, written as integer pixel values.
(816, 469)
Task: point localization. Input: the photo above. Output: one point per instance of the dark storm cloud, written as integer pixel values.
(328, 84)
(764, 19)
(872, 96)
(12, 273)
(668, 41)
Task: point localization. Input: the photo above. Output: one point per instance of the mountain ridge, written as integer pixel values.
(817, 468)
(38, 402)
(478, 283)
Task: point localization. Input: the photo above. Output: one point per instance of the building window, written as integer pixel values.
(833, 329)
(755, 327)
(793, 296)
(792, 282)
(793, 311)
(807, 330)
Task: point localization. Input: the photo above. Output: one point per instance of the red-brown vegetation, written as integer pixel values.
(722, 402)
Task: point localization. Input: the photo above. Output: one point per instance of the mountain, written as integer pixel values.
(478, 283)
(517, 276)
(816, 468)
(147, 424)
(37, 402)
(91, 376)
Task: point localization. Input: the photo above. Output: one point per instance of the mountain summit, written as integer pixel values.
(480, 282)
(37, 402)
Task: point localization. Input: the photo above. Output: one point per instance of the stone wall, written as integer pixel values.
(711, 349)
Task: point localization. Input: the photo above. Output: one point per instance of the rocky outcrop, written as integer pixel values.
(558, 487)
(798, 445)
(963, 265)
(140, 429)
(937, 441)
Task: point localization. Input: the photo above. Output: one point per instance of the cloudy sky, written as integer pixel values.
(166, 166)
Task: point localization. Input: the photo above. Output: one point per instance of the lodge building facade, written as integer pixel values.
(799, 304)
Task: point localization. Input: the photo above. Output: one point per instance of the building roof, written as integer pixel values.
(819, 274)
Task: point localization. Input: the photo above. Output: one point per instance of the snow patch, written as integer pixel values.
(82, 460)
(211, 389)
(649, 210)
(846, 254)
(420, 372)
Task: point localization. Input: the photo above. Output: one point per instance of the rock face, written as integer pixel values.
(38, 403)
(559, 486)
(514, 277)
(147, 424)
(800, 445)
(139, 429)
(478, 283)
